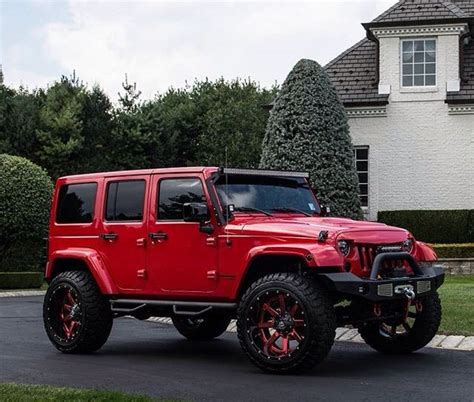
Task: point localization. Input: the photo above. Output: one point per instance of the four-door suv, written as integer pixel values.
(205, 245)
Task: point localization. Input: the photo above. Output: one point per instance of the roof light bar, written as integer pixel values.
(261, 172)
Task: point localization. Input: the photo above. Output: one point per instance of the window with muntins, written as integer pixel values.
(174, 193)
(361, 156)
(418, 63)
(125, 200)
(76, 203)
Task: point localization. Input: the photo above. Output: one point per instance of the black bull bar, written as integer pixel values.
(424, 281)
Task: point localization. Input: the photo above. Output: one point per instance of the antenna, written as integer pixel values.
(227, 240)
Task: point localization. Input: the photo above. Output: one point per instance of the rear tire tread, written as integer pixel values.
(96, 308)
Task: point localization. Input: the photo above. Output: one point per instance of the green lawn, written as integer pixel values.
(17, 392)
(457, 298)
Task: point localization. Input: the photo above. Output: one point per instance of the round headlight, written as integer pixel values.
(344, 247)
(407, 246)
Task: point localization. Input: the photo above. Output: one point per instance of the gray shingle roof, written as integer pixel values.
(466, 94)
(354, 74)
(354, 71)
(419, 10)
(466, 5)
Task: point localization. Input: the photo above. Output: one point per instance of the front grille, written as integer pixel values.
(366, 256)
(391, 268)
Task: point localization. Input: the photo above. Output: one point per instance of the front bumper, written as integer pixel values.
(425, 281)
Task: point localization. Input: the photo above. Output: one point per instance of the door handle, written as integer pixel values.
(157, 235)
(109, 236)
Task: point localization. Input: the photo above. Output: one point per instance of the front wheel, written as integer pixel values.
(77, 317)
(407, 335)
(286, 323)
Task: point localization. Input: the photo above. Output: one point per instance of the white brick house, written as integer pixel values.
(408, 89)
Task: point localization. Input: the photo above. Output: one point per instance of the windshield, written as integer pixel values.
(269, 194)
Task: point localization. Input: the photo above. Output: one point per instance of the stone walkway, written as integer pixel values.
(452, 342)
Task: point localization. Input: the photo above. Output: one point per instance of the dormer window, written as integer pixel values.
(418, 62)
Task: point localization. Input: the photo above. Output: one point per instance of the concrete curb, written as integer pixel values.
(22, 293)
(450, 342)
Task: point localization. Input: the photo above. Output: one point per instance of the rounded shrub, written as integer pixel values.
(308, 130)
(25, 196)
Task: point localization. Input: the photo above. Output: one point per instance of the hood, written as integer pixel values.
(340, 228)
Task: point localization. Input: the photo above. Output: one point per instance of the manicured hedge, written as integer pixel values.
(25, 197)
(442, 226)
(21, 280)
(454, 250)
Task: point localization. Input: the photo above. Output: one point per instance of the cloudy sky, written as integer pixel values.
(168, 43)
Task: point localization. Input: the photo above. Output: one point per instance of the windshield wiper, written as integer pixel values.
(251, 209)
(287, 209)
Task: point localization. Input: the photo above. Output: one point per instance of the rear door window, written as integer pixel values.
(125, 201)
(76, 203)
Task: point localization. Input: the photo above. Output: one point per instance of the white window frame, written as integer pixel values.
(357, 147)
(402, 41)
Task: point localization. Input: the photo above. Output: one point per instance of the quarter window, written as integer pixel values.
(125, 200)
(361, 156)
(76, 203)
(418, 63)
(173, 193)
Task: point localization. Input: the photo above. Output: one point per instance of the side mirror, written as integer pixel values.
(195, 212)
(325, 210)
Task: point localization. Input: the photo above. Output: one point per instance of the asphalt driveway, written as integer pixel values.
(153, 359)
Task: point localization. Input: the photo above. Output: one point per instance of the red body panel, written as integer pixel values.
(191, 264)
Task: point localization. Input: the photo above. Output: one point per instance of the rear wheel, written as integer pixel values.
(201, 329)
(406, 335)
(77, 317)
(286, 323)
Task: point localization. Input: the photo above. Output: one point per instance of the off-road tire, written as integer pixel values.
(320, 322)
(201, 329)
(96, 315)
(424, 329)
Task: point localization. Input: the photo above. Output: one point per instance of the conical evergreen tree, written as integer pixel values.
(308, 131)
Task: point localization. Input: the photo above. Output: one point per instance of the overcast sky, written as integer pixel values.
(166, 43)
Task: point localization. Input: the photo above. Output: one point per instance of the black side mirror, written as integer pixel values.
(325, 210)
(195, 212)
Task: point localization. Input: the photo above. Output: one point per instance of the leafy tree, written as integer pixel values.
(232, 117)
(59, 134)
(25, 195)
(307, 130)
(97, 126)
(130, 144)
(19, 118)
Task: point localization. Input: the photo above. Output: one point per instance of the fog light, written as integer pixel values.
(423, 286)
(385, 290)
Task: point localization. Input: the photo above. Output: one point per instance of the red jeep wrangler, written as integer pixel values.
(206, 245)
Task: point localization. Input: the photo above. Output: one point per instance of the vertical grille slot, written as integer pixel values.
(366, 256)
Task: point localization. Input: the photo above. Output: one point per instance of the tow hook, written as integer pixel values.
(406, 290)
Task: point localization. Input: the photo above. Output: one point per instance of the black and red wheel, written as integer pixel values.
(201, 329)
(286, 323)
(77, 317)
(414, 330)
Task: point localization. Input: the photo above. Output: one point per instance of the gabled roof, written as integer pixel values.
(419, 10)
(466, 94)
(354, 72)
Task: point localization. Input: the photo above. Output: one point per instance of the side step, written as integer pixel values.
(121, 307)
